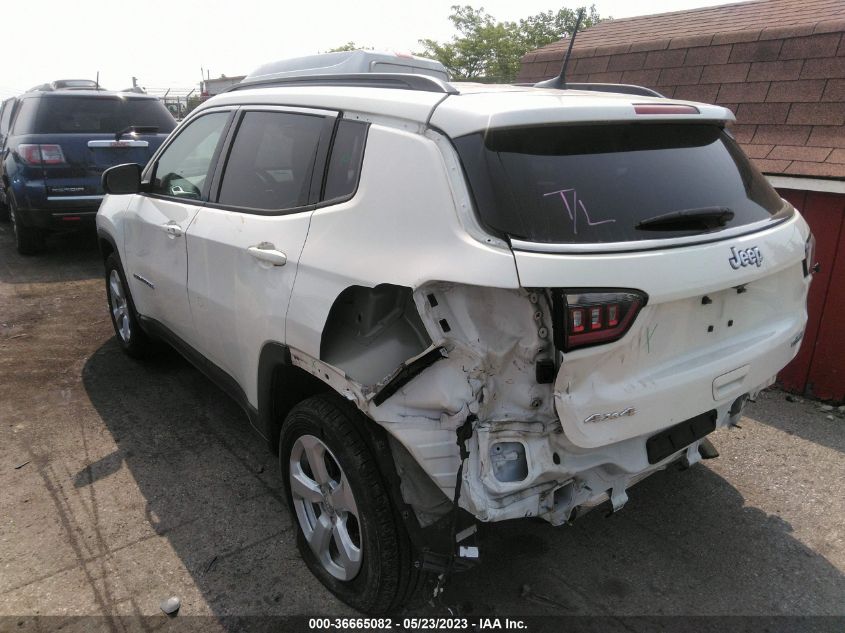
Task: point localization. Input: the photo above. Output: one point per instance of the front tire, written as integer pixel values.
(131, 338)
(348, 531)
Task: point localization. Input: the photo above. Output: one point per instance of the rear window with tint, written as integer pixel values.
(595, 183)
(92, 115)
(271, 161)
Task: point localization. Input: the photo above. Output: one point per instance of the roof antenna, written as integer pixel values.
(559, 82)
(98, 80)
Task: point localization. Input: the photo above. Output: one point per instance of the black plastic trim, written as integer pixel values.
(627, 89)
(214, 373)
(273, 356)
(408, 372)
(660, 446)
(338, 199)
(106, 237)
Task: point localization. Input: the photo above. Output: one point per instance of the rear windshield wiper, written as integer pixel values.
(703, 219)
(136, 129)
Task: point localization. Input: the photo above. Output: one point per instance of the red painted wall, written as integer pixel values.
(819, 368)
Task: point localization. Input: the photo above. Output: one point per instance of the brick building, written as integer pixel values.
(780, 66)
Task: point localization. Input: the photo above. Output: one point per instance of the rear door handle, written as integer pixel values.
(266, 252)
(172, 229)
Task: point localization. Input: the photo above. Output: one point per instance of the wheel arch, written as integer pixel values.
(106, 244)
(281, 386)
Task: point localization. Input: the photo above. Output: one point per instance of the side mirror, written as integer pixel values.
(122, 179)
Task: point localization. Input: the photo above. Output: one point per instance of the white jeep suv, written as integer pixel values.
(447, 303)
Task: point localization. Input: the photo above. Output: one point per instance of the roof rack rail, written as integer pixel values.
(628, 89)
(398, 81)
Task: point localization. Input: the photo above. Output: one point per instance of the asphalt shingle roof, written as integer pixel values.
(778, 64)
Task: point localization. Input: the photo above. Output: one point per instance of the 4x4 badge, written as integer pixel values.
(745, 257)
(613, 415)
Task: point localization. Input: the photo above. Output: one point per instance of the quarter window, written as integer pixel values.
(185, 165)
(271, 161)
(345, 163)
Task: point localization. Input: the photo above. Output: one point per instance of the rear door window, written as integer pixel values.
(271, 161)
(597, 183)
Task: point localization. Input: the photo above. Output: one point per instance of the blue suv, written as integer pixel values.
(61, 137)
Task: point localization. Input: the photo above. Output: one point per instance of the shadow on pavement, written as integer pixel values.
(685, 544)
(806, 422)
(67, 257)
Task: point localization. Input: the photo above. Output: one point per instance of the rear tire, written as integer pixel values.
(348, 530)
(4, 209)
(131, 338)
(28, 240)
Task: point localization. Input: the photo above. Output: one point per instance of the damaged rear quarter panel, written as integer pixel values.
(402, 228)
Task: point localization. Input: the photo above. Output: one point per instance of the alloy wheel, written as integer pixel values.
(325, 507)
(119, 306)
(13, 221)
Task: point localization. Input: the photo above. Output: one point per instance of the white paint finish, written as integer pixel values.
(160, 257)
(731, 384)
(460, 193)
(665, 365)
(671, 273)
(807, 184)
(400, 228)
(111, 216)
(239, 302)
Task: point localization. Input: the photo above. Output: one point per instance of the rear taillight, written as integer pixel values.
(41, 154)
(594, 317)
(52, 155)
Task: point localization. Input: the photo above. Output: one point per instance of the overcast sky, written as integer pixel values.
(165, 44)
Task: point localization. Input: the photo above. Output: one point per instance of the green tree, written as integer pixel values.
(191, 103)
(349, 46)
(489, 51)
